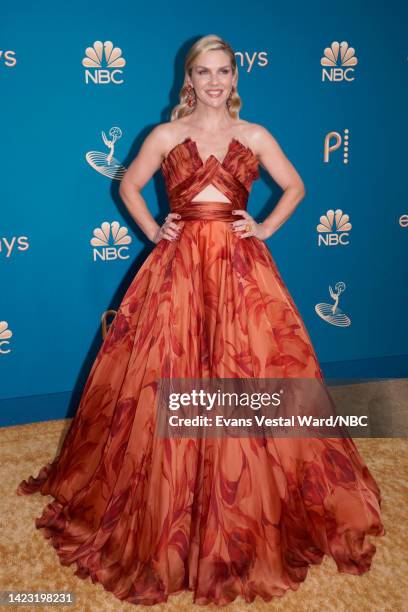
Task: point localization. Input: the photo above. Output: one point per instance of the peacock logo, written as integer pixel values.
(110, 242)
(103, 62)
(334, 228)
(338, 62)
(5, 335)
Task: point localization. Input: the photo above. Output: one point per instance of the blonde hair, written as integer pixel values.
(211, 42)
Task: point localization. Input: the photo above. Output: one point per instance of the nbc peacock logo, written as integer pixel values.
(110, 242)
(5, 335)
(334, 228)
(338, 62)
(103, 62)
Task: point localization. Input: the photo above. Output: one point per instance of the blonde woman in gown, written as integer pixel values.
(222, 517)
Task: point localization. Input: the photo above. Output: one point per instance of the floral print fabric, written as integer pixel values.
(147, 517)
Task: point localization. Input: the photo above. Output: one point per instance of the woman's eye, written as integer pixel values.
(224, 71)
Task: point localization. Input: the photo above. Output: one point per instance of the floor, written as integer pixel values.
(28, 561)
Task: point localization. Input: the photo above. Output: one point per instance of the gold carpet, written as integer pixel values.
(28, 562)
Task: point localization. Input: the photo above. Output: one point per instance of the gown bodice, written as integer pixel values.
(185, 174)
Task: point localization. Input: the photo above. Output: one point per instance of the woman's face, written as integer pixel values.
(212, 77)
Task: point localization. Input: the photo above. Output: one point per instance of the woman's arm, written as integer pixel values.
(140, 171)
(284, 174)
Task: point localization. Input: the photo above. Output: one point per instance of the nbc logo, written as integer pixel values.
(337, 62)
(5, 334)
(102, 63)
(109, 242)
(333, 228)
(333, 141)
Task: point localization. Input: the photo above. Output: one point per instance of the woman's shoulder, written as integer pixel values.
(254, 131)
(254, 135)
(168, 132)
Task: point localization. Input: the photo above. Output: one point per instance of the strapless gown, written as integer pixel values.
(222, 517)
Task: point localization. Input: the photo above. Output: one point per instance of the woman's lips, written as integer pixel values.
(214, 93)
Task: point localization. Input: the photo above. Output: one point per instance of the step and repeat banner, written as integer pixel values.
(82, 86)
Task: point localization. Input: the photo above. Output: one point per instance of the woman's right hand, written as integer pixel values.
(169, 230)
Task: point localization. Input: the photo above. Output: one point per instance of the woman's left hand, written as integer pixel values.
(248, 226)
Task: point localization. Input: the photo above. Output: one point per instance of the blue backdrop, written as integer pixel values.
(331, 88)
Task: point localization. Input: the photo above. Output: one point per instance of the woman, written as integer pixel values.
(222, 517)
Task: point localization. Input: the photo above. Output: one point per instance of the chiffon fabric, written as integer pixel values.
(222, 517)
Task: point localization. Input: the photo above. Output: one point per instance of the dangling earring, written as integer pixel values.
(229, 99)
(190, 97)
